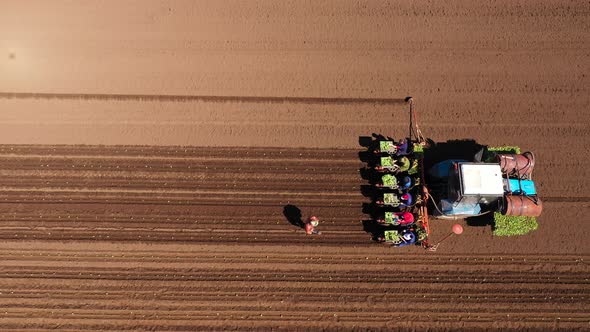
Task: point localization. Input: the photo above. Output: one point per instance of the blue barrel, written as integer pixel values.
(521, 187)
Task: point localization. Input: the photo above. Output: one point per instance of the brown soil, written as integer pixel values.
(149, 149)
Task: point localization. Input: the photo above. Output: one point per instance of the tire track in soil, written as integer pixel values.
(191, 98)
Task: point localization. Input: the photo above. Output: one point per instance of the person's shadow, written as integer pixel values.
(293, 215)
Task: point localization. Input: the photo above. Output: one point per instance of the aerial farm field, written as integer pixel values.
(148, 150)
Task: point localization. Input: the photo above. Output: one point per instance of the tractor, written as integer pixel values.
(456, 179)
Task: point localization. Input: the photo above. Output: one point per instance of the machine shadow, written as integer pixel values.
(376, 231)
(483, 220)
(373, 210)
(466, 149)
(365, 141)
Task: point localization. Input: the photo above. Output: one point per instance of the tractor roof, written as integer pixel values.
(481, 179)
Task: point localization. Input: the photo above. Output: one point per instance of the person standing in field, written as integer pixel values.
(310, 225)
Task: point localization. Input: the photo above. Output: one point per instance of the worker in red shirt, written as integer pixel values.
(310, 225)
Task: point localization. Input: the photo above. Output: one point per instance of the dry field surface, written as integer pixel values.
(148, 149)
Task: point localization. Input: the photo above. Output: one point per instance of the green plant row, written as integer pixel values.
(513, 225)
(505, 149)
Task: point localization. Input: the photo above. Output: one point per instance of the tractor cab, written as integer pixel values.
(470, 187)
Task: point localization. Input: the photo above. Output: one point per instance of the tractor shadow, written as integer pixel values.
(481, 221)
(365, 141)
(293, 215)
(467, 149)
(371, 192)
(373, 210)
(372, 228)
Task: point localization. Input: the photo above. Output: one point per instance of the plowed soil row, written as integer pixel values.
(182, 287)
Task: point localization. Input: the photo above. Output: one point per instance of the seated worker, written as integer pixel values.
(402, 147)
(408, 237)
(406, 200)
(405, 183)
(397, 219)
(405, 218)
(404, 164)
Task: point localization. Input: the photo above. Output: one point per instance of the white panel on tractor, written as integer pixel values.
(482, 179)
